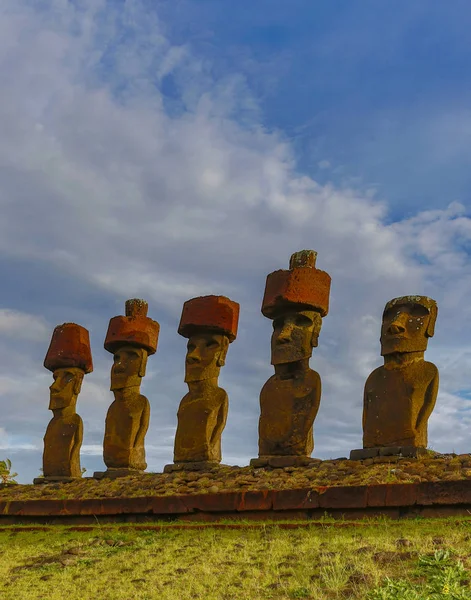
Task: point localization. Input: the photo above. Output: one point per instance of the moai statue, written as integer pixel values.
(131, 339)
(399, 397)
(69, 357)
(210, 324)
(296, 300)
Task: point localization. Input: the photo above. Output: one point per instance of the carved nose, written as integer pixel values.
(193, 358)
(284, 336)
(396, 327)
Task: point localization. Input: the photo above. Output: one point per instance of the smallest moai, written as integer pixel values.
(210, 324)
(399, 396)
(131, 339)
(69, 357)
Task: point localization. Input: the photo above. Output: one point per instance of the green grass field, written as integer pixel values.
(377, 560)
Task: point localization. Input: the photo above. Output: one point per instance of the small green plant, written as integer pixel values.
(445, 579)
(6, 476)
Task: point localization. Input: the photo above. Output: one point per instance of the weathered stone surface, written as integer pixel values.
(58, 479)
(413, 451)
(210, 313)
(387, 451)
(130, 339)
(114, 473)
(133, 329)
(201, 465)
(302, 287)
(259, 462)
(399, 396)
(288, 461)
(69, 357)
(296, 300)
(69, 347)
(362, 454)
(210, 323)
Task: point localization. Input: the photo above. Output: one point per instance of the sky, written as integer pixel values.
(167, 149)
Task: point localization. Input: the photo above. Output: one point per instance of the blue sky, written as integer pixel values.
(170, 149)
(376, 88)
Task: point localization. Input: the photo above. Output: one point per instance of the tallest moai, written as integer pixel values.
(296, 300)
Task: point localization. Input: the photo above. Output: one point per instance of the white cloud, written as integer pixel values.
(14, 323)
(106, 186)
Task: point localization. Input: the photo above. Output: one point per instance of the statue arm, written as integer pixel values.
(365, 408)
(77, 441)
(429, 401)
(221, 419)
(306, 411)
(143, 425)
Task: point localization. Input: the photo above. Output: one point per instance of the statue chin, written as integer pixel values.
(282, 356)
(403, 345)
(119, 383)
(59, 402)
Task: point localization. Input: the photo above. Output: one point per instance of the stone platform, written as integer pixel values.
(430, 499)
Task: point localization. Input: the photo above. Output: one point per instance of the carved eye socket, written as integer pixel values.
(390, 314)
(278, 323)
(212, 344)
(303, 321)
(418, 311)
(190, 347)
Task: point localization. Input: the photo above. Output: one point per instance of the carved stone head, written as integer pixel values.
(408, 322)
(129, 367)
(69, 357)
(294, 336)
(210, 324)
(296, 300)
(206, 354)
(65, 387)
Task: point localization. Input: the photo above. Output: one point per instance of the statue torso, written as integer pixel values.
(59, 441)
(393, 400)
(123, 421)
(288, 409)
(198, 417)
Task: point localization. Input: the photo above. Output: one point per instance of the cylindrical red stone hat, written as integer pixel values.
(303, 287)
(210, 313)
(134, 329)
(69, 347)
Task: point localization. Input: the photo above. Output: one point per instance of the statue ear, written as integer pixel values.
(316, 329)
(142, 368)
(221, 359)
(78, 383)
(431, 322)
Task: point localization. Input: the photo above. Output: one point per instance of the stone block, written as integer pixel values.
(390, 451)
(213, 313)
(413, 451)
(69, 347)
(295, 499)
(279, 462)
(444, 492)
(134, 329)
(115, 473)
(344, 497)
(363, 453)
(301, 286)
(258, 463)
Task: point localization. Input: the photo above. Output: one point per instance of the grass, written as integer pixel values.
(381, 560)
